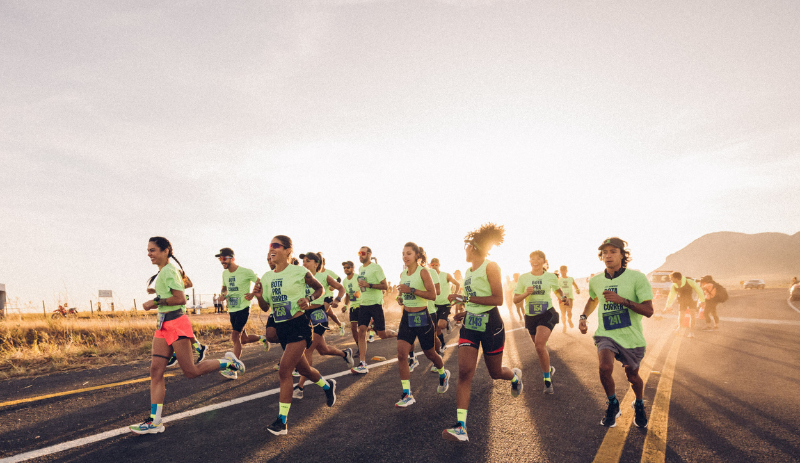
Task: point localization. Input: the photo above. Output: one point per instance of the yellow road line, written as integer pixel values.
(76, 391)
(655, 444)
(611, 448)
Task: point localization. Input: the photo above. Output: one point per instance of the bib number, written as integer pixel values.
(616, 320)
(537, 307)
(160, 322)
(476, 322)
(318, 316)
(282, 311)
(417, 319)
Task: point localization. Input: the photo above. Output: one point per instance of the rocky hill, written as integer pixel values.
(731, 257)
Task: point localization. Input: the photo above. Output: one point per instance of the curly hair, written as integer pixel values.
(626, 253)
(485, 237)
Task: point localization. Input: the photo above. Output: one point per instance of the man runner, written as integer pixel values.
(372, 282)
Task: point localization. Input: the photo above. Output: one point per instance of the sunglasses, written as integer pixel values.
(276, 246)
(224, 258)
(362, 253)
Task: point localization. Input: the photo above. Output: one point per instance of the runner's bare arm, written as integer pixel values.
(339, 288)
(316, 286)
(258, 292)
(452, 280)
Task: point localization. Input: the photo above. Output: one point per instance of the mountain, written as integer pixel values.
(731, 257)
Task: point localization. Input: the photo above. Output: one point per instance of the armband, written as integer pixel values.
(370, 285)
(583, 317)
(466, 298)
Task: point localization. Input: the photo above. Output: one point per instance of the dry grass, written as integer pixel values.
(33, 346)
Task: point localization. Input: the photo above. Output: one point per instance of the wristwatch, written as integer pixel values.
(583, 317)
(413, 291)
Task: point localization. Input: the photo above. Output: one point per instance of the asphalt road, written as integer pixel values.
(727, 395)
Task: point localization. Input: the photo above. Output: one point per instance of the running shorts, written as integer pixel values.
(270, 321)
(443, 311)
(354, 314)
(372, 312)
(172, 330)
(426, 334)
(239, 319)
(628, 357)
(492, 340)
(294, 330)
(548, 319)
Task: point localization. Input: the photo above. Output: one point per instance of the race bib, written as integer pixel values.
(160, 321)
(282, 311)
(233, 301)
(476, 322)
(538, 307)
(417, 319)
(616, 320)
(318, 316)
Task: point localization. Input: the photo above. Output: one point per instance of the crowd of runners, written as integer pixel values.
(302, 296)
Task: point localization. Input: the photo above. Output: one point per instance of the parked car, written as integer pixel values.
(660, 282)
(754, 284)
(794, 292)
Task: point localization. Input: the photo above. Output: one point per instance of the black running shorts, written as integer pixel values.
(374, 313)
(492, 340)
(294, 330)
(548, 319)
(426, 334)
(354, 314)
(443, 311)
(239, 319)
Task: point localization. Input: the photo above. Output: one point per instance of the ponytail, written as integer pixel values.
(164, 245)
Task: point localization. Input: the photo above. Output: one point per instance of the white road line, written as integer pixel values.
(178, 416)
(789, 301)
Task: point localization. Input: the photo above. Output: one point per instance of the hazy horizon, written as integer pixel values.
(350, 123)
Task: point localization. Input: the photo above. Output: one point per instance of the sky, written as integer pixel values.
(352, 123)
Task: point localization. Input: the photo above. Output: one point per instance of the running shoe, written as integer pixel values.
(360, 369)
(371, 337)
(434, 369)
(297, 393)
(229, 374)
(263, 341)
(612, 413)
(295, 373)
(330, 393)
(412, 363)
(201, 353)
(405, 401)
(640, 417)
(236, 364)
(147, 427)
(516, 389)
(278, 428)
(444, 383)
(348, 357)
(173, 361)
(277, 367)
(341, 330)
(549, 389)
(457, 433)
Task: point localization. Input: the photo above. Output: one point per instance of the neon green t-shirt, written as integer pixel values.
(540, 300)
(617, 322)
(168, 278)
(566, 286)
(352, 290)
(283, 290)
(238, 284)
(477, 284)
(444, 290)
(435, 281)
(372, 274)
(325, 286)
(413, 281)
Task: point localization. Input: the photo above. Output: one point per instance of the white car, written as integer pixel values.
(754, 284)
(794, 292)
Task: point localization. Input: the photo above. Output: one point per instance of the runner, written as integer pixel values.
(285, 287)
(372, 282)
(483, 326)
(352, 298)
(416, 288)
(413, 363)
(173, 334)
(683, 288)
(319, 317)
(519, 306)
(712, 293)
(566, 284)
(534, 289)
(199, 347)
(624, 297)
(443, 307)
(329, 292)
(236, 281)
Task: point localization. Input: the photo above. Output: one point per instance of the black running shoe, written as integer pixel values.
(610, 420)
(640, 417)
(201, 354)
(172, 361)
(330, 393)
(278, 428)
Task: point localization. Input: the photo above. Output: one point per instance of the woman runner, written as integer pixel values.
(285, 290)
(534, 288)
(173, 334)
(483, 326)
(416, 288)
(566, 284)
(319, 318)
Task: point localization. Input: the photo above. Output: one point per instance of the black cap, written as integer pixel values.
(616, 242)
(348, 262)
(225, 252)
(312, 256)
